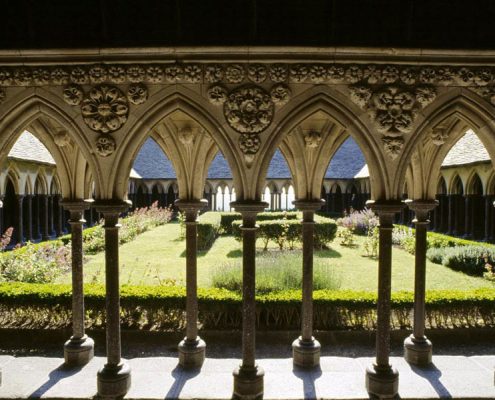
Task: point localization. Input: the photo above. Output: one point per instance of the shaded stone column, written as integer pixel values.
(248, 377)
(468, 216)
(59, 224)
(417, 348)
(51, 215)
(44, 217)
(488, 218)
(192, 348)
(114, 379)
(79, 349)
(29, 217)
(20, 220)
(1, 215)
(382, 380)
(305, 349)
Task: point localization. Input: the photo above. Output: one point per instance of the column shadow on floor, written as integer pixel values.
(308, 378)
(432, 374)
(61, 372)
(181, 376)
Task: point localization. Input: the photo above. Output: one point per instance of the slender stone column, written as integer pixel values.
(451, 216)
(79, 349)
(1, 215)
(29, 217)
(417, 348)
(51, 215)
(20, 220)
(248, 377)
(382, 380)
(44, 213)
(488, 217)
(59, 225)
(192, 348)
(114, 379)
(305, 349)
(468, 216)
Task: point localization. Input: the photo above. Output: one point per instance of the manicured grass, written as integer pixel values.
(157, 257)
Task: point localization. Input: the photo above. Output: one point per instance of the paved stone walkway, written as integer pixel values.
(455, 377)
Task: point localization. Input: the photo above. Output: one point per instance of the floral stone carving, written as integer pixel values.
(105, 109)
(73, 95)
(137, 93)
(249, 143)
(312, 139)
(439, 135)
(105, 145)
(280, 94)
(392, 145)
(249, 109)
(217, 95)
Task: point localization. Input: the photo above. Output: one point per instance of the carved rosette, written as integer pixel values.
(105, 145)
(439, 136)
(393, 110)
(137, 93)
(312, 139)
(249, 143)
(73, 95)
(217, 95)
(249, 109)
(105, 109)
(393, 146)
(280, 94)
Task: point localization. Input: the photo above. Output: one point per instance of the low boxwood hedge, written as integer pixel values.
(468, 259)
(162, 308)
(290, 231)
(208, 229)
(227, 218)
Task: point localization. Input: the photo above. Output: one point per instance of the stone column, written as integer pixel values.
(488, 218)
(44, 213)
(114, 379)
(20, 220)
(382, 380)
(305, 349)
(29, 217)
(417, 348)
(1, 215)
(451, 215)
(79, 349)
(51, 218)
(59, 224)
(468, 216)
(248, 377)
(192, 348)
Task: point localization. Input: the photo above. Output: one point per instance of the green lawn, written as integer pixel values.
(158, 256)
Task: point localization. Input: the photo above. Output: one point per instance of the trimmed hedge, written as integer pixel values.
(162, 308)
(208, 229)
(468, 259)
(290, 230)
(227, 218)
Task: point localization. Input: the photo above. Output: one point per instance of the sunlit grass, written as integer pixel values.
(157, 257)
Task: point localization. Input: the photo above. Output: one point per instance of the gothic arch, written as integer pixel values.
(456, 185)
(166, 102)
(458, 111)
(339, 109)
(39, 109)
(474, 183)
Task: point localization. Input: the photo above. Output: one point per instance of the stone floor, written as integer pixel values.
(457, 377)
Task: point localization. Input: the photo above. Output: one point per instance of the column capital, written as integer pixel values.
(111, 206)
(75, 205)
(421, 208)
(386, 210)
(309, 205)
(191, 205)
(249, 210)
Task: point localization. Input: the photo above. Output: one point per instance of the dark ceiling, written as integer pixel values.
(125, 23)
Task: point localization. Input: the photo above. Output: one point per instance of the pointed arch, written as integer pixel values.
(44, 112)
(457, 111)
(168, 101)
(339, 109)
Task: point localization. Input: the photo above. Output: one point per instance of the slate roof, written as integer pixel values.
(467, 150)
(152, 163)
(278, 168)
(348, 162)
(29, 148)
(219, 168)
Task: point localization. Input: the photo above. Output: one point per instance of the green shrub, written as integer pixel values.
(468, 259)
(435, 254)
(289, 231)
(162, 308)
(208, 229)
(227, 218)
(275, 272)
(35, 263)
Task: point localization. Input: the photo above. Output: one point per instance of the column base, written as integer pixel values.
(306, 354)
(192, 353)
(417, 352)
(114, 381)
(248, 383)
(79, 351)
(382, 383)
